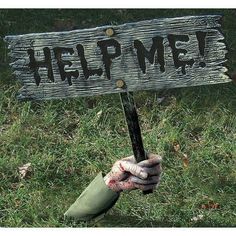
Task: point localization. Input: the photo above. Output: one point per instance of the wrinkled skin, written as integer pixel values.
(127, 174)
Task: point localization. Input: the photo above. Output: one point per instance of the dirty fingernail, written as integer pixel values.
(143, 174)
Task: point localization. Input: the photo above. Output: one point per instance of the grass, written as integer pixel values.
(68, 142)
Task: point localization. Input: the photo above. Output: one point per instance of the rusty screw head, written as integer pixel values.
(109, 32)
(120, 83)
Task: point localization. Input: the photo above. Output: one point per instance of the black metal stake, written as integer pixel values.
(131, 115)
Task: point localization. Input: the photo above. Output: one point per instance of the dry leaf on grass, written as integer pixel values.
(176, 147)
(210, 205)
(185, 160)
(25, 170)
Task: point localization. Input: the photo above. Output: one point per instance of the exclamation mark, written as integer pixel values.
(201, 36)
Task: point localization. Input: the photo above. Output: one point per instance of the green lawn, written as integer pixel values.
(68, 142)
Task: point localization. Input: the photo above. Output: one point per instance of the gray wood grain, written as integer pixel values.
(126, 66)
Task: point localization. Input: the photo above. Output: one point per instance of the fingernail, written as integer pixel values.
(143, 174)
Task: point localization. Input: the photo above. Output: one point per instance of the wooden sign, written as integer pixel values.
(146, 55)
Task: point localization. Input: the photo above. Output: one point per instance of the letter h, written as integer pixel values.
(35, 65)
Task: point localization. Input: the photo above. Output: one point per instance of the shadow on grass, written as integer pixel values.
(117, 220)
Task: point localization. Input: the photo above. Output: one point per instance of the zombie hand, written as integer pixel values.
(127, 174)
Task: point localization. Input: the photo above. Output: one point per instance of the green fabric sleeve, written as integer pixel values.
(94, 201)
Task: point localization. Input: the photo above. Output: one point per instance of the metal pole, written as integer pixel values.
(131, 116)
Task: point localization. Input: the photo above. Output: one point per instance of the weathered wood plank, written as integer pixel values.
(146, 55)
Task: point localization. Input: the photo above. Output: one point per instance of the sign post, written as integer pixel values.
(131, 116)
(147, 55)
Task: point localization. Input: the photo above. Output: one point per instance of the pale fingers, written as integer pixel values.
(155, 170)
(155, 160)
(149, 180)
(145, 187)
(126, 185)
(134, 169)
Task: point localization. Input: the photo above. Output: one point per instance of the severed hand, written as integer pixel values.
(127, 174)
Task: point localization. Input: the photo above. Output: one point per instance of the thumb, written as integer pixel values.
(134, 169)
